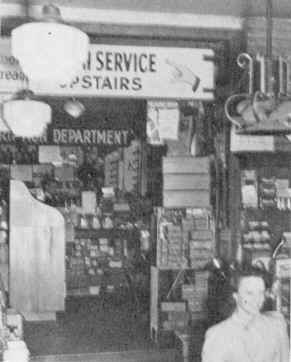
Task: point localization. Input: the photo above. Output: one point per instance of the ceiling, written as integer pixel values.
(238, 8)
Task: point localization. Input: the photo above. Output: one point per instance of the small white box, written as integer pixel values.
(94, 290)
(14, 319)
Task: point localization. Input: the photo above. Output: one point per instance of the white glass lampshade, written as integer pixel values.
(74, 108)
(49, 51)
(26, 118)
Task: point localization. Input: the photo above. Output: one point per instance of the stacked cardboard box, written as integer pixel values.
(176, 320)
(196, 295)
(186, 182)
(75, 273)
(175, 315)
(185, 238)
(200, 248)
(171, 250)
(174, 237)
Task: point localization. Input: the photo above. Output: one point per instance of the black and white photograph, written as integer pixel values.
(145, 180)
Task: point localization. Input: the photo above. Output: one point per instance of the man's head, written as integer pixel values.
(249, 287)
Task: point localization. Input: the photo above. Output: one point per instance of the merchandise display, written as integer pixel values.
(103, 247)
(265, 225)
(103, 212)
(185, 238)
(101, 254)
(179, 278)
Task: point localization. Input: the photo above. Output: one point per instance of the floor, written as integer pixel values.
(128, 356)
(91, 325)
(103, 330)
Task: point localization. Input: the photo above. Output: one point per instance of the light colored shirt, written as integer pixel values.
(264, 339)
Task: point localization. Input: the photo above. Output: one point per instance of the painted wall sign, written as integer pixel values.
(128, 71)
(77, 136)
(83, 136)
(11, 76)
(9, 138)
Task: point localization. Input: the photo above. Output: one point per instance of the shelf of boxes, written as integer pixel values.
(180, 307)
(265, 221)
(97, 260)
(265, 214)
(185, 244)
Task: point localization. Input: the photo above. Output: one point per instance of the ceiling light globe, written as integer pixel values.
(74, 108)
(27, 118)
(49, 52)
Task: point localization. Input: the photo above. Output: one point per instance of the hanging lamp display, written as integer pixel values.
(24, 116)
(265, 108)
(49, 51)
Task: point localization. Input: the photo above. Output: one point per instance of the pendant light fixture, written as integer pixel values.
(25, 116)
(265, 109)
(49, 51)
(74, 108)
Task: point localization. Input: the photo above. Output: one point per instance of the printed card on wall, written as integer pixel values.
(162, 122)
(89, 202)
(50, 154)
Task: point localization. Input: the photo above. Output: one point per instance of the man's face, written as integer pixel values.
(250, 295)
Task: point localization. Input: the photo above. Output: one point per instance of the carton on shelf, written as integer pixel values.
(173, 306)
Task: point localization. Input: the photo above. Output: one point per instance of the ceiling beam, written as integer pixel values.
(128, 17)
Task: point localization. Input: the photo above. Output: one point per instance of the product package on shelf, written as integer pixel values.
(89, 202)
(170, 253)
(176, 320)
(249, 188)
(196, 294)
(254, 250)
(170, 306)
(256, 239)
(185, 238)
(283, 194)
(257, 235)
(267, 192)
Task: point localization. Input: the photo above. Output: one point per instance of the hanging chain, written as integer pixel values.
(269, 61)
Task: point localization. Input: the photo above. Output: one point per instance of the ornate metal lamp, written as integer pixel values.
(267, 109)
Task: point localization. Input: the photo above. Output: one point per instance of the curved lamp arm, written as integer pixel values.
(245, 61)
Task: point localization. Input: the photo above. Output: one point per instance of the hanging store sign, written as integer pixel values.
(144, 72)
(128, 71)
